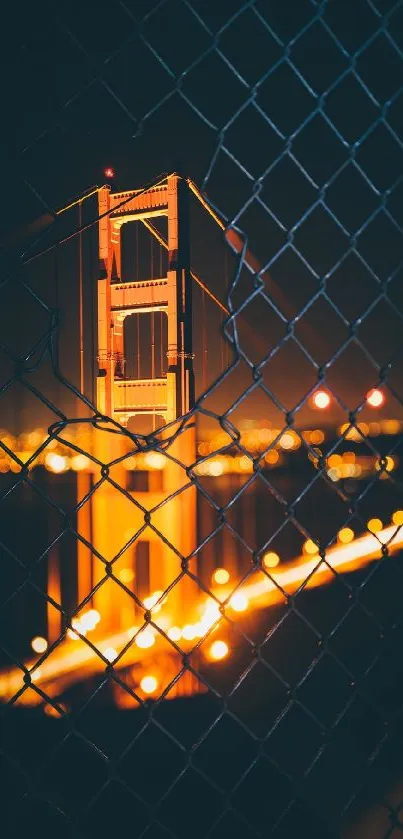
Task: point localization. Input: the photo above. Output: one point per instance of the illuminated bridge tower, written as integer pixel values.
(173, 396)
(113, 518)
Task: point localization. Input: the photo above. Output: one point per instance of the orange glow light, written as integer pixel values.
(145, 639)
(345, 535)
(149, 684)
(188, 632)
(151, 603)
(375, 398)
(321, 400)
(271, 559)
(174, 633)
(39, 644)
(272, 457)
(109, 172)
(310, 548)
(238, 602)
(221, 576)
(374, 525)
(55, 462)
(126, 575)
(110, 654)
(218, 650)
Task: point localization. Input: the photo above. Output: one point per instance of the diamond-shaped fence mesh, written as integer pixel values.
(201, 611)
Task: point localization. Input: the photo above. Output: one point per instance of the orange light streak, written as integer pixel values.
(71, 661)
(348, 557)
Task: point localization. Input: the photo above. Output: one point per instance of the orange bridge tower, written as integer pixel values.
(158, 522)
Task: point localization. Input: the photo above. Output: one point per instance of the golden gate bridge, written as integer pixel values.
(177, 616)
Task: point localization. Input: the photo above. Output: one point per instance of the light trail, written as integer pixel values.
(70, 658)
(72, 661)
(346, 558)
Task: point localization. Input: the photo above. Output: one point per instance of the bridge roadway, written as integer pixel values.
(70, 661)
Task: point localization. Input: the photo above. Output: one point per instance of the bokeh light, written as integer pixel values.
(221, 576)
(174, 633)
(321, 400)
(110, 654)
(149, 684)
(345, 535)
(126, 575)
(145, 639)
(188, 632)
(56, 462)
(39, 644)
(375, 398)
(238, 602)
(218, 650)
(374, 525)
(271, 559)
(310, 548)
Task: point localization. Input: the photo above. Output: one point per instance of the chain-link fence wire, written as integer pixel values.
(288, 116)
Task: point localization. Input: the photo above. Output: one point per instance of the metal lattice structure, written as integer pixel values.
(276, 709)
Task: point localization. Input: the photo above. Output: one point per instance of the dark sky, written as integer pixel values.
(288, 113)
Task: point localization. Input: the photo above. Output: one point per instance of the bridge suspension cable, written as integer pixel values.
(148, 224)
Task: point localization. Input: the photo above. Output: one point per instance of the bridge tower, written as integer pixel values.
(110, 519)
(172, 396)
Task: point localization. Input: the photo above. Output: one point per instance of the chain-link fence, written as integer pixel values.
(204, 641)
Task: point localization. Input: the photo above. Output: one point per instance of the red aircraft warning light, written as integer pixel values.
(321, 399)
(109, 172)
(375, 398)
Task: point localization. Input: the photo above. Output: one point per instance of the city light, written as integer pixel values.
(316, 436)
(155, 460)
(375, 398)
(218, 650)
(56, 462)
(345, 535)
(174, 633)
(126, 575)
(287, 441)
(188, 632)
(221, 576)
(110, 654)
(211, 614)
(145, 639)
(271, 559)
(272, 457)
(89, 620)
(151, 602)
(321, 400)
(397, 518)
(80, 462)
(78, 627)
(238, 602)
(86, 622)
(310, 548)
(374, 525)
(216, 468)
(149, 684)
(39, 644)
(109, 172)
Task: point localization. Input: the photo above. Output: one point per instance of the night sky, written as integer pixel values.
(287, 114)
